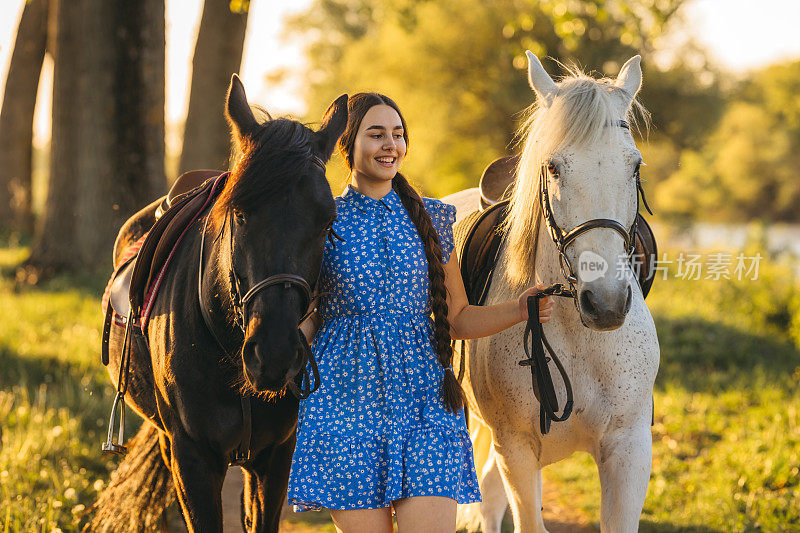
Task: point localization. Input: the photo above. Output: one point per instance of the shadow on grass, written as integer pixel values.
(13, 272)
(647, 526)
(705, 356)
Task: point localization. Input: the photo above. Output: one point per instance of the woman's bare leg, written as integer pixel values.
(362, 520)
(425, 514)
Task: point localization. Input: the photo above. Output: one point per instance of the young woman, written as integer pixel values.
(386, 430)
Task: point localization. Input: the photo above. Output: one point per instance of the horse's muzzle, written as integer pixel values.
(604, 313)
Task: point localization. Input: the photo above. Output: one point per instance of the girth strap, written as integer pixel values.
(541, 378)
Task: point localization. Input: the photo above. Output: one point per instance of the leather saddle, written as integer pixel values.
(136, 277)
(478, 236)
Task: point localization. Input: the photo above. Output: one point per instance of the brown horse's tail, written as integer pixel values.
(140, 491)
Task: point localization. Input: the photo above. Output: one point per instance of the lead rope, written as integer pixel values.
(541, 379)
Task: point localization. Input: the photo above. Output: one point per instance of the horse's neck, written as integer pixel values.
(216, 281)
(565, 331)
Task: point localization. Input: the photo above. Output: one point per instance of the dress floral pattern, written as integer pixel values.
(376, 430)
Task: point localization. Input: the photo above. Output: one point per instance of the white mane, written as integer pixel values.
(578, 116)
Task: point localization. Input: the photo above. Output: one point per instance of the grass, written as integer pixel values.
(726, 442)
(54, 401)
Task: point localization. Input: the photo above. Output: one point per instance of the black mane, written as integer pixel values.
(272, 159)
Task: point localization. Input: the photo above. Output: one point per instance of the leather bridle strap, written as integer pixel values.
(597, 223)
(541, 379)
(287, 279)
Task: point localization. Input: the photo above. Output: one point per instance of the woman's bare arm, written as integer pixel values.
(473, 321)
(311, 324)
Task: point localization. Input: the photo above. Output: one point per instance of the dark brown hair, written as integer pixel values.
(357, 107)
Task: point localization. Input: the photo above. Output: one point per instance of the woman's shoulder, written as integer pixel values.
(439, 209)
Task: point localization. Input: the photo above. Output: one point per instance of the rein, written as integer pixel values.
(541, 378)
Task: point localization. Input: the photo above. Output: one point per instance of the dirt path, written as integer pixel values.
(558, 517)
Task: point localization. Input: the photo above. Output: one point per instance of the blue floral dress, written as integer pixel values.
(376, 430)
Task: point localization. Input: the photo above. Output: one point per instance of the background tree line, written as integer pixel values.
(719, 149)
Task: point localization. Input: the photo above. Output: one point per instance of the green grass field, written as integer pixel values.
(726, 440)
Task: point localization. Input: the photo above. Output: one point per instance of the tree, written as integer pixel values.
(457, 67)
(107, 147)
(16, 117)
(217, 54)
(746, 168)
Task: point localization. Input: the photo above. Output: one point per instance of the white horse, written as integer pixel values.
(608, 345)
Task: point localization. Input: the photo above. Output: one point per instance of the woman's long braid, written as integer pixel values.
(451, 390)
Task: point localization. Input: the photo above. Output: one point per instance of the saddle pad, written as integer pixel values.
(162, 241)
(123, 264)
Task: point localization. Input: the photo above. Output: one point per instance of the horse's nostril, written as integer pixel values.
(586, 303)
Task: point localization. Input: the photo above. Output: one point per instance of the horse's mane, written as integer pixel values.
(578, 116)
(266, 164)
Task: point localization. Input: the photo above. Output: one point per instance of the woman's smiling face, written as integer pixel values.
(379, 146)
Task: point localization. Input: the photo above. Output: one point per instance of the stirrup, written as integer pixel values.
(116, 447)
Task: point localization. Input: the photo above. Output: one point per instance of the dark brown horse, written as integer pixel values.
(271, 218)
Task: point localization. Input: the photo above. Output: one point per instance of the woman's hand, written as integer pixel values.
(545, 304)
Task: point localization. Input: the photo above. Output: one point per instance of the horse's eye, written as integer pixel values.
(552, 169)
(238, 216)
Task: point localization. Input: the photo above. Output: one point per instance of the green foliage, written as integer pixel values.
(747, 167)
(457, 67)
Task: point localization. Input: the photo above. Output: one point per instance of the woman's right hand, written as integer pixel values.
(545, 304)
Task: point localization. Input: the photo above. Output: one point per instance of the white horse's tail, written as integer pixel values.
(494, 501)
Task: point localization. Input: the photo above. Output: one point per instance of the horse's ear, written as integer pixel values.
(630, 77)
(237, 110)
(540, 81)
(333, 125)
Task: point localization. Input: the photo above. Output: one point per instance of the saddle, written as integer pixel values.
(131, 291)
(478, 236)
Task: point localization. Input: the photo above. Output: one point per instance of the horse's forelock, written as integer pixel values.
(578, 116)
(267, 165)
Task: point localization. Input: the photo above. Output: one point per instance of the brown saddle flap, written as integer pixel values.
(162, 238)
(478, 241)
(119, 296)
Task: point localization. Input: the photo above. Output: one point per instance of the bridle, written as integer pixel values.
(562, 239)
(534, 333)
(240, 304)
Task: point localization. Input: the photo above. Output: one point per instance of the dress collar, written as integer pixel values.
(391, 201)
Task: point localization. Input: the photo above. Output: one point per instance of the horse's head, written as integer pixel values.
(274, 214)
(583, 167)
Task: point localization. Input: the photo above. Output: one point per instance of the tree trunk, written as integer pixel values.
(107, 149)
(217, 55)
(16, 117)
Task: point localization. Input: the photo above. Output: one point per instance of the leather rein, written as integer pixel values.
(535, 341)
(240, 305)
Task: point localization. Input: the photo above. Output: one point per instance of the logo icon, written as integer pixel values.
(591, 266)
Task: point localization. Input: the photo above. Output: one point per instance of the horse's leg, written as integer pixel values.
(522, 474)
(494, 501)
(198, 473)
(265, 487)
(488, 514)
(623, 462)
